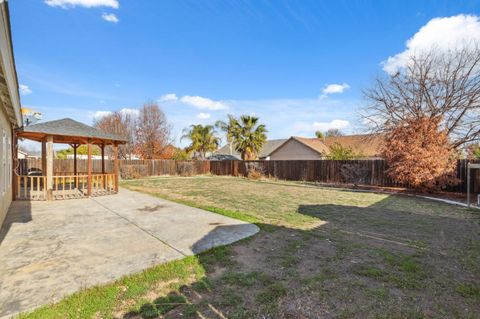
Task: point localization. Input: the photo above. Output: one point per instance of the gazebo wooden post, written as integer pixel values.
(115, 165)
(103, 158)
(75, 146)
(89, 168)
(49, 166)
(103, 166)
(44, 157)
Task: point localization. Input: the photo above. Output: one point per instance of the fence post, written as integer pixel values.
(468, 184)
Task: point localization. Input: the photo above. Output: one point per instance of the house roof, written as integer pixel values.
(314, 143)
(8, 74)
(68, 131)
(367, 145)
(266, 150)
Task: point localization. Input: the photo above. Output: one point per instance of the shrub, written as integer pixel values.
(255, 174)
(133, 171)
(340, 152)
(185, 169)
(420, 155)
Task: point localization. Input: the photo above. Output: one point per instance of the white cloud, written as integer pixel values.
(440, 33)
(110, 17)
(83, 3)
(335, 124)
(170, 97)
(133, 112)
(203, 116)
(335, 88)
(321, 126)
(99, 114)
(203, 103)
(24, 89)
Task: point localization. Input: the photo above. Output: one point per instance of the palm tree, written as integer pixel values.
(203, 140)
(249, 137)
(229, 129)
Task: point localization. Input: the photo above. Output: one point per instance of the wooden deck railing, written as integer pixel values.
(64, 186)
(31, 187)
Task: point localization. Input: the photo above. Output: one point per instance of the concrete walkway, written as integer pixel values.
(52, 249)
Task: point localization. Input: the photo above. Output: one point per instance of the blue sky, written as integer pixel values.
(298, 65)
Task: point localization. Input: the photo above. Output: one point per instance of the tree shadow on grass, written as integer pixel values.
(357, 263)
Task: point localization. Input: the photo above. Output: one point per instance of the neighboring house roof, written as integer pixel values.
(10, 98)
(314, 143)
(36, 154)
(367, 145)
(266, 150)
(222, 157)
(67, 127)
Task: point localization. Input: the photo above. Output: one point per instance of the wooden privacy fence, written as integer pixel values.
(362, 172)
(63, 166)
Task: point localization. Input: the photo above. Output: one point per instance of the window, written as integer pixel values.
(9, 159)
(3, 182)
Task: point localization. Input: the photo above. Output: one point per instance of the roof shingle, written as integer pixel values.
(69, 127)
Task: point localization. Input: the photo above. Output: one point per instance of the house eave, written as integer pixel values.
(12, 106)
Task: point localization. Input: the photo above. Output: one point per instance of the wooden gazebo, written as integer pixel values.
(46, 184)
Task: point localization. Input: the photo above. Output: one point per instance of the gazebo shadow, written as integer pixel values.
(20, 212)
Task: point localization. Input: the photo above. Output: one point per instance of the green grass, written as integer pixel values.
(163, 305)
(377, 293)
(102, 300)
(469, 290)
(318, 279)
(271, 294)
(372, 272)
(399, 269)
(248, 279)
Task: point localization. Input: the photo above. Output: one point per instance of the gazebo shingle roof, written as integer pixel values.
(67, 127)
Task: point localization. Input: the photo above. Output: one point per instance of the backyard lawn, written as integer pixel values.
(321, 253)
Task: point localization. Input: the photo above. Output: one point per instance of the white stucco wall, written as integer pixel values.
(294, 150)
(5, 165)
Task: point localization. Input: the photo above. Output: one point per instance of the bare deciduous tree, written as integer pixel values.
(333, 132)
(120, 124)
(435, 84)
(153, 131)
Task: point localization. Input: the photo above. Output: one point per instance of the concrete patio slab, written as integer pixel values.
(51, 249)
